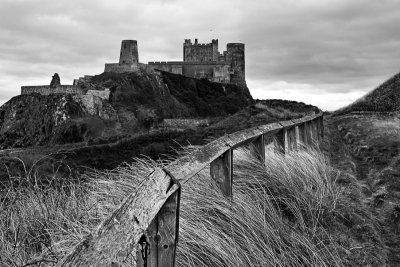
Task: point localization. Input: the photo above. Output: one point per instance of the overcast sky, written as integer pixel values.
(323, 52)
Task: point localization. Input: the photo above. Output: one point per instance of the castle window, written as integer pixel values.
(124, 46)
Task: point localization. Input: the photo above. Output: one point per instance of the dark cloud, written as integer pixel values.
(324, 48)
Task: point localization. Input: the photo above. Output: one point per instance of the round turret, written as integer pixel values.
(129, 52)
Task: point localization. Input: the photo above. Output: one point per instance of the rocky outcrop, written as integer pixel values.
(35, 119)
(31, 119)
(134, 103)
(95, 105)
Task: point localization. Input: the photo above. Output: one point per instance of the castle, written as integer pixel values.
(199, 61)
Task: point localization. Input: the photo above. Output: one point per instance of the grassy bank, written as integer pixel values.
(293, 211)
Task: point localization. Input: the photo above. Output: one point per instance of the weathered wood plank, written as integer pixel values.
(281, 141)
(287, 124)
(302, 135)
(168, 229)
(271, 128)
(161, 236)
(145, 256)
(297, 137)
(221, 170)
(291, 139)
(315, 133)
(307, 134)
(241, 138)
(116, 237)
(186, 167)
(258, 148)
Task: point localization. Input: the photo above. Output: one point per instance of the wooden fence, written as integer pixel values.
(149, 218)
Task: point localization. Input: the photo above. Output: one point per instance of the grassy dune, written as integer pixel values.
(292, 211)
(384, 98)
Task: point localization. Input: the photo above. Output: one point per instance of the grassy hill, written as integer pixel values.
(290, 211)
(367, 147)
(385, 98)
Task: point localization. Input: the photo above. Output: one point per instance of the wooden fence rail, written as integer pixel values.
(149, 218)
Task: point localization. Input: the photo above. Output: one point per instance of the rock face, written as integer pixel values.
(36, 119)
(134, 103)
(31, 119)
(144, 99)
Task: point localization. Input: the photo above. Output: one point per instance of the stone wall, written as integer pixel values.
(200, 52)
(46, 90)
(117, 68)
(222, 74)
(213, 71)
(185, 123)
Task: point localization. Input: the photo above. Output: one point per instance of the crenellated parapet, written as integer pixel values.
(200, 60)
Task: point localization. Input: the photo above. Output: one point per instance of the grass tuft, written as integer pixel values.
(288, 211)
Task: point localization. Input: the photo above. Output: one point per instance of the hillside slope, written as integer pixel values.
(385, 98)
(137, 102)
(367, 147)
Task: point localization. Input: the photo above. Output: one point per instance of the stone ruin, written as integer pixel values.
(55, 81)
(81, 87)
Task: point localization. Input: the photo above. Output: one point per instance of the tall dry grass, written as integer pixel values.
(286, 212)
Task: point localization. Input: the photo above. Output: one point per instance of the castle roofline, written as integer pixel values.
(134, 41)
(235, 44)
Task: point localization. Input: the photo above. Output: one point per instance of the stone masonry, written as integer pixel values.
(199, 61)
(55, 81)
(56, 87)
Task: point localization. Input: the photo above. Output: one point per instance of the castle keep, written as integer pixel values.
(199, 61)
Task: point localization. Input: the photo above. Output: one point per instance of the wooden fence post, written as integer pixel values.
(221, 170)
(259, 148)
(317, 128)
(302, 135)
(291, 139)
(297, 136)
(148, 214)
(308, 134)
(281, 141)
(158, 245)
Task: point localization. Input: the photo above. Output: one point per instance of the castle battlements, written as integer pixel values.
(200, 60)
